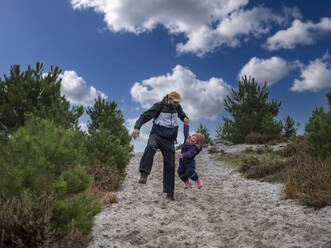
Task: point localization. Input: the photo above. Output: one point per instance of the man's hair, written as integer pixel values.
(175, 96)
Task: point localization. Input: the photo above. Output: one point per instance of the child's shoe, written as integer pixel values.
(187, 184)
(199, 183)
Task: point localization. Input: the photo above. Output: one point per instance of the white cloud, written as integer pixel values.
(207, 24)
(83, 127)
(268, 70)
(76, 90)
(144, 131)
(315, 76)
(299, 33)
(201, 99)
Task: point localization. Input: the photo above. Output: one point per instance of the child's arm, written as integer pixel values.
(192, 151)
(186, 132)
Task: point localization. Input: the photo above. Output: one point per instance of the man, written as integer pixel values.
(162, 136)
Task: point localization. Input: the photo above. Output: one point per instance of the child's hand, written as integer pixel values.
(181, 155)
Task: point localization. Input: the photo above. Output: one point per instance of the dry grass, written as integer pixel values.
(309, 180)
(106, 178)
(297, 147)
(26, 222)
(306, 178)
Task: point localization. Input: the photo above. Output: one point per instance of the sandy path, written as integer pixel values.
(228, 211)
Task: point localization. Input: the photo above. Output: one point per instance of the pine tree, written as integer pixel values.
(251, 113)
(289, 129)
(105, 115)
(318, 132)
(109, 140)
(41, 157)
(328, 96)
(34, 91)
(218, 132)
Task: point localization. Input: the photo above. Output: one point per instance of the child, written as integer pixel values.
(191, 147)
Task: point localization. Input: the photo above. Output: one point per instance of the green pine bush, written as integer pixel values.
(42, 157)
(37, 92)
(318, 133)
(105, 147)
(109, 140)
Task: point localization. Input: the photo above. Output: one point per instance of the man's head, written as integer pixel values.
(174, 98)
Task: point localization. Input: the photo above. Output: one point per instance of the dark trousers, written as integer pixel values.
(186, 170)
(167, 149)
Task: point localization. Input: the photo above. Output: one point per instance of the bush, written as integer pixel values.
(254, 138)
(318, 133)
(271, 129)
(77, 211)
(106, 178)
(26, 222)
(38, 156)
(34, 91)
(296, 147)
(308, 180)
(104, 115)
(267, 168)
(41, 157)
(106, 147)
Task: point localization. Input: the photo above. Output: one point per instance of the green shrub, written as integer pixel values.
(318, 133)
(271, 129)
(106, 178)
(106, 147)
(41, 157)
(296, 147)
(34, 91)
(105, 115)
(36, 156)
(78, 210)
(26, 222)
(109, 140)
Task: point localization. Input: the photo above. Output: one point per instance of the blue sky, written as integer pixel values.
(135, 52)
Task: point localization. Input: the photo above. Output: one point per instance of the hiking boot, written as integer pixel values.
(170, 196)
(199, 183)
(143, 178)
(187, 184)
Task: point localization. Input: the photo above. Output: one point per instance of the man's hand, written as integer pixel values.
(181, 155)
(186, 121)
(135, 133)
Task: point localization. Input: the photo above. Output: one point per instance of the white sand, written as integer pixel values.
(228, 211)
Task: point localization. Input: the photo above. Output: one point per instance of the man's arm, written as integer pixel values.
(145, 117)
